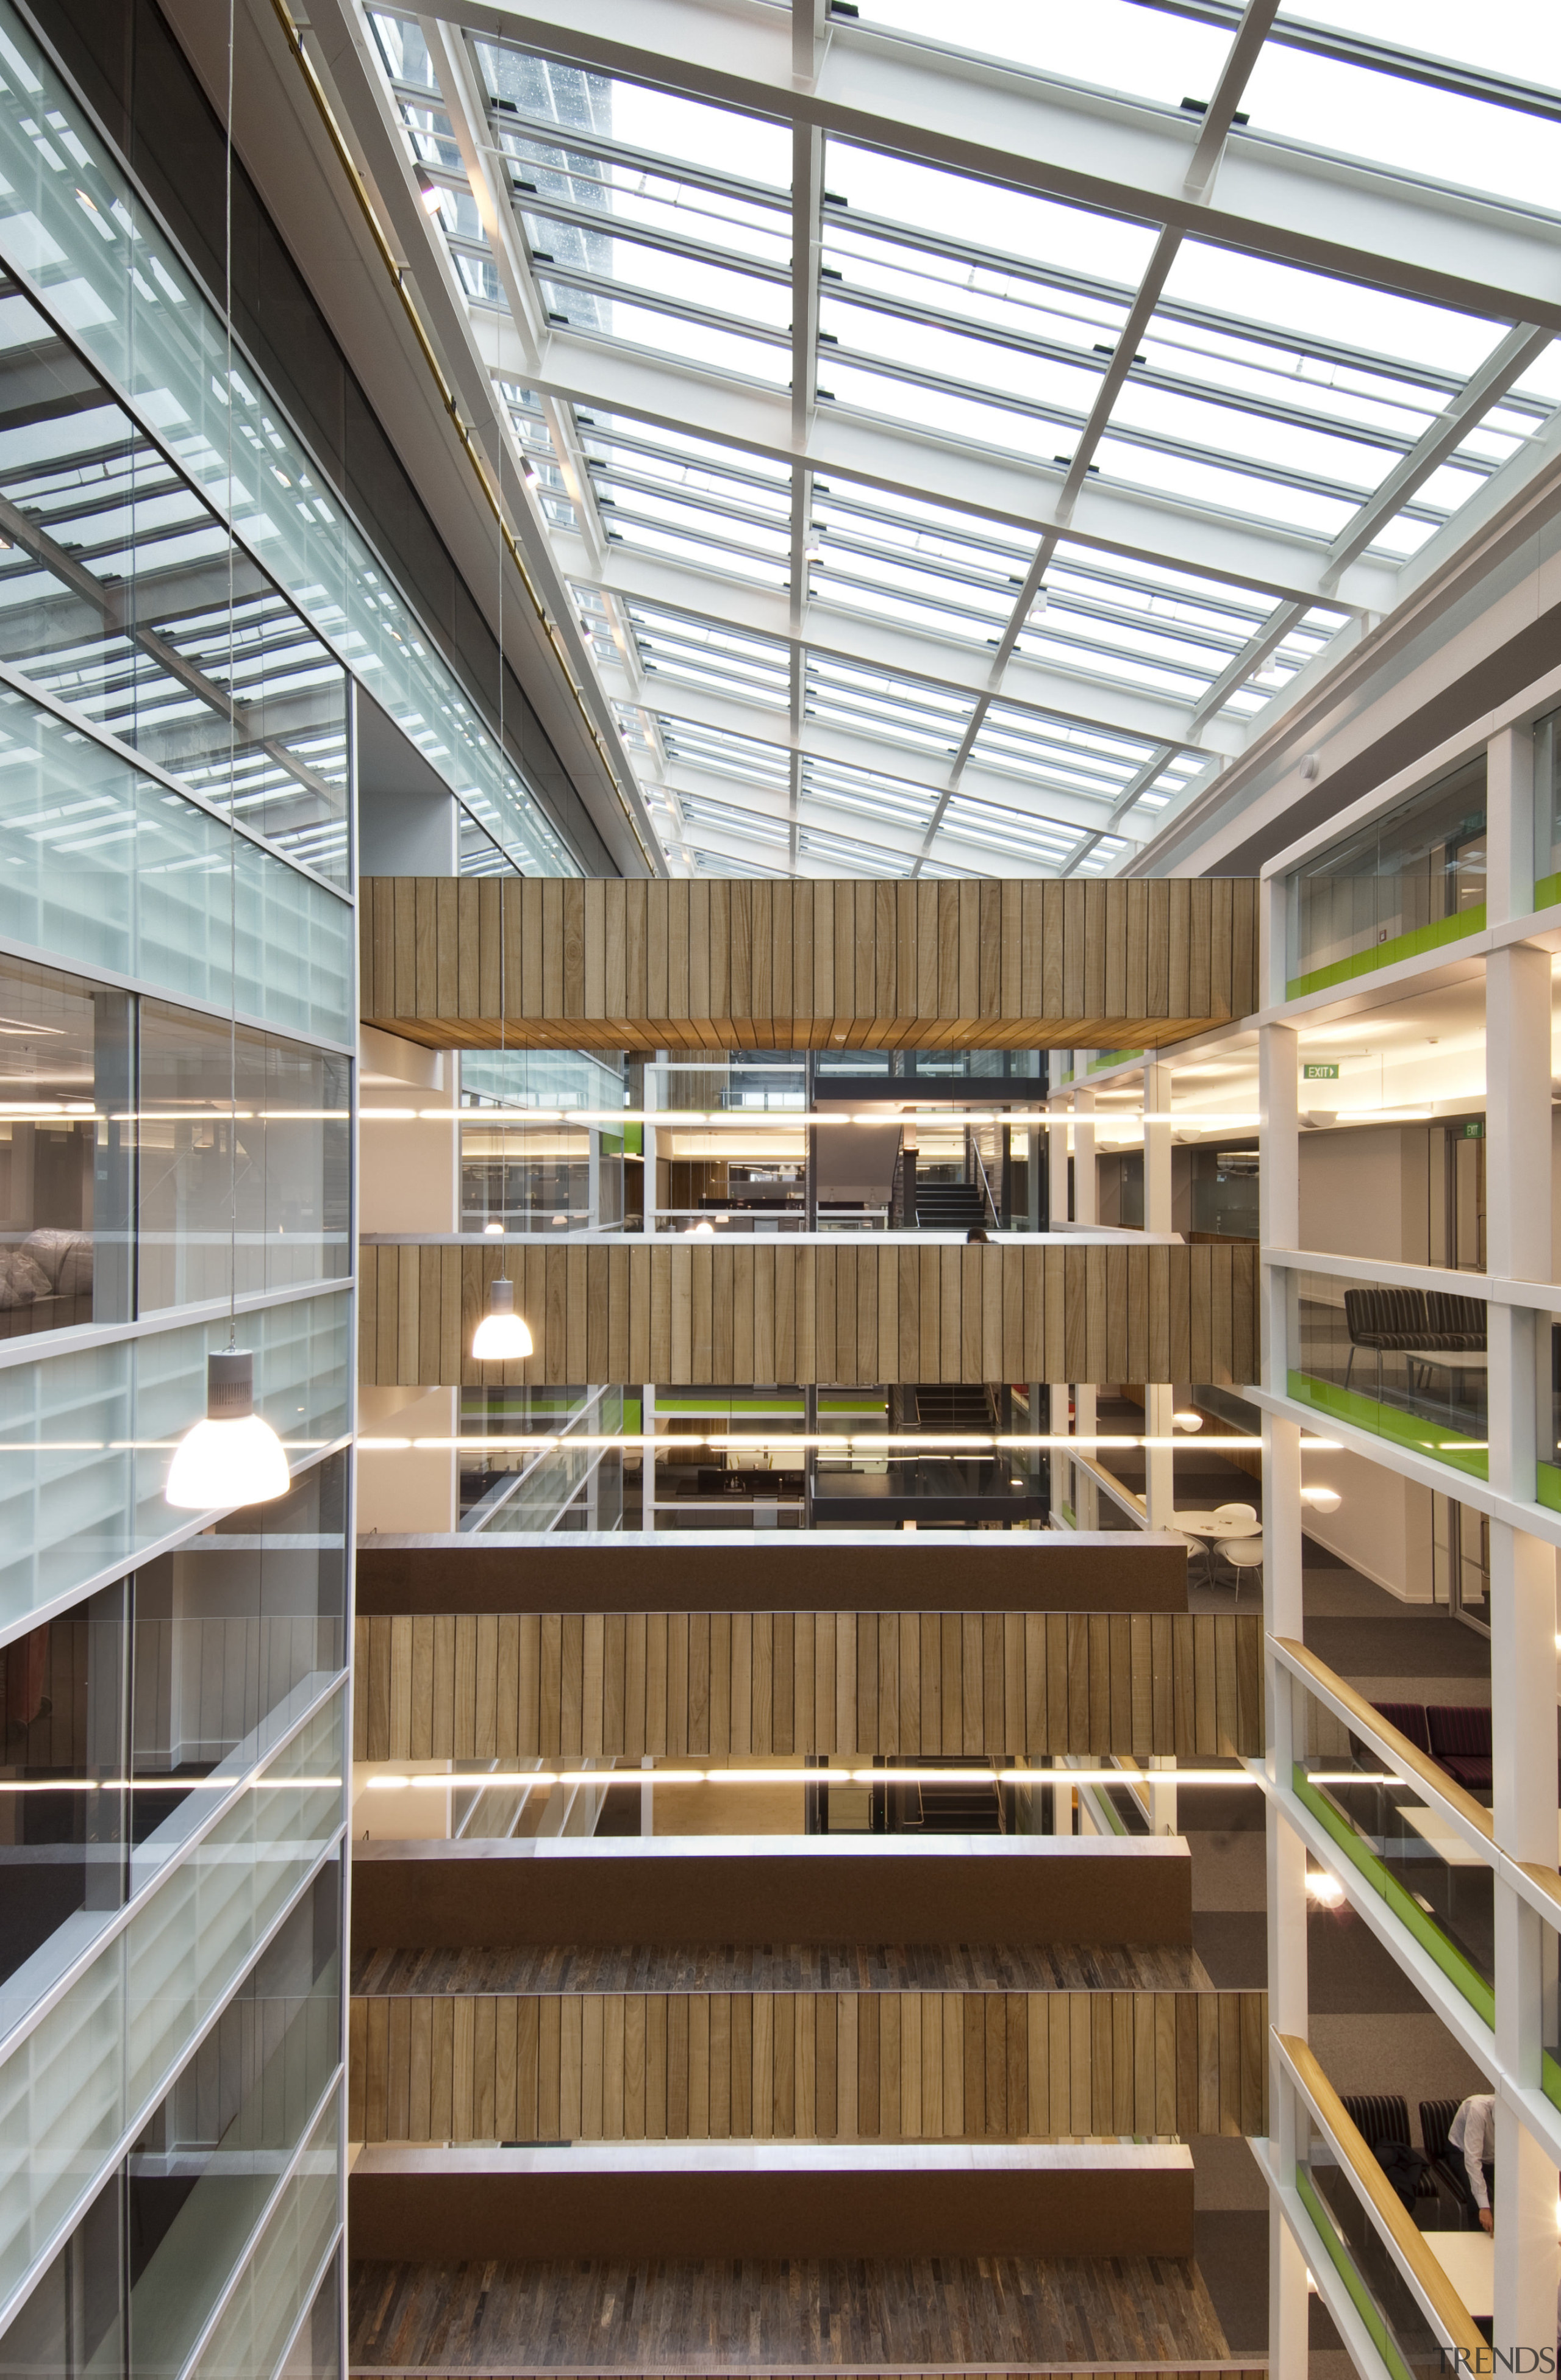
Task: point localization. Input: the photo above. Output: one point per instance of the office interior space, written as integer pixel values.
(780, 1204)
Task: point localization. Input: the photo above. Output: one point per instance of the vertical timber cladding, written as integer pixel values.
(728, 964)
(855, 1312)
(807, 2065)
(721, 1686)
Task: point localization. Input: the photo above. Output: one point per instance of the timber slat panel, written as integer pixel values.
(473, 1686)
(869, 2066)
(728, 964)
(859, 1314)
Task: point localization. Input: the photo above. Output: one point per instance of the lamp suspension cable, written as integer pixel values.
(232, 1456)
(501, 1336)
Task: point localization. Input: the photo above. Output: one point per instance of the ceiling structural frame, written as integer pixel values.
(727, 536)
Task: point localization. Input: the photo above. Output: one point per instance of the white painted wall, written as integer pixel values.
(407, 1491)
(1363, 1192)
(1383, 1526)
(409, 1177)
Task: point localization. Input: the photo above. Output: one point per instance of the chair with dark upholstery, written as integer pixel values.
(1460, 1742)
(1383, 2116)
(1410, 1720)
(1436, 2115)
(1456, 1324)
(1386, 1321)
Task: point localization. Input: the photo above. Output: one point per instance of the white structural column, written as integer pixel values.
(1517, 1004)
(1280, 1195)
(1086, 1189)
(1159, 1473)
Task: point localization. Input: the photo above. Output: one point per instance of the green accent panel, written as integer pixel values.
(1410, 1915)
(1550, 2078)
(1111, 1058)
(634, 1140)
(764, 1406)
(1069, 1516)
(1344, 2265)
(1381, 955)
(1385, 1421)
(613, 1143)
(1547, 892)
(633, 1422)
(1547, 1486)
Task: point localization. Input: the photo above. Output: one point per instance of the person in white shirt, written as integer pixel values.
(1473, 2134)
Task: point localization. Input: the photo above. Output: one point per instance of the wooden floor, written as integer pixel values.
(777, 2318)
(783, 1967)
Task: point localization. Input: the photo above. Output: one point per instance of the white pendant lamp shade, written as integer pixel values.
(232, 1457)
(501, 1336)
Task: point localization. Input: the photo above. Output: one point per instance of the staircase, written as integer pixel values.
(952, 1405)
(949, 1206)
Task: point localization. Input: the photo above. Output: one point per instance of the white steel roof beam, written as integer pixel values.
(941, 107)
(982, 482)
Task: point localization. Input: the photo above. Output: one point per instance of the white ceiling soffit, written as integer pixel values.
(953, 461)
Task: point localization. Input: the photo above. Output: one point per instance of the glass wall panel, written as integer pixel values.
(107, 868)
(114, 581)
(100, 264)
(1409, 1363)
(63, 1821)
(235, 1633)
(100, 2056)
(1399, 2331)
(258, 1194)
(72, 2322)
(1386, 1825)
(203, 2170)
(316, 2350)
(86, 1439)
(249, 2340)
(64, 1151)
(1402, 883)
(1547, 811)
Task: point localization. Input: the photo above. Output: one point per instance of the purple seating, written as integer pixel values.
(1410, 1720)
(1460, 1742)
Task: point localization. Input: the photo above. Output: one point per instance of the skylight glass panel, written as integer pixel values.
(992, 827)
(890, 800)
(879, 702)
(1165, 789)
(1109, 44)
(649, 218)
(1448, 138)
(1065, 755)
(702, 653)
(723, 753)
(1301, 643)
(1506, 37)
(700, 810)
(706, 509)
(716, 863)
(931, 568)
(857, 858)
(1309, 309)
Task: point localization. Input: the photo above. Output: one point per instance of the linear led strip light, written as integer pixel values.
(875, 1443)
(509, 1780)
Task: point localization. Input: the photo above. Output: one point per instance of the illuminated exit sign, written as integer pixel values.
(1319, 1074)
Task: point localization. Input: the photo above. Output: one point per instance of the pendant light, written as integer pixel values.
(501, 1336)
(233, 1457)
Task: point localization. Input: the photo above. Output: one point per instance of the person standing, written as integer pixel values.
(1473, 2134)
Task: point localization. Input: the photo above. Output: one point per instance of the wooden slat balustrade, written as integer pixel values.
(726, 964)
(497, 1686)
(852, 1312)
(871, 2066)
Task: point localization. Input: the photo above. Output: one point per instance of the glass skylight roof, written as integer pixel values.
(991, 593)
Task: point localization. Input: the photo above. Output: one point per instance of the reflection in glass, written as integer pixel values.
(234, 1633)
(64, 1151)
(202, 2172)
(1402, 883)
(1400, 2330)
(73, 2321)
(286, 1106)
(62, 1784)
(1410, 1364)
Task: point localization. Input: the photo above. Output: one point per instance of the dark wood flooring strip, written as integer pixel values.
(780, 1967)
(779, 2318)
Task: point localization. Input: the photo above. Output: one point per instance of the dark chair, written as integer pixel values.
(1383, 2116)
(1456, 1324)
(1386, 1321)
(1436, 2115)
(1460, 1742)
(1410, 1720)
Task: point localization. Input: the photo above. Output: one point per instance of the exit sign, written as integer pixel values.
(1319, 1074)
(1475, 1132)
